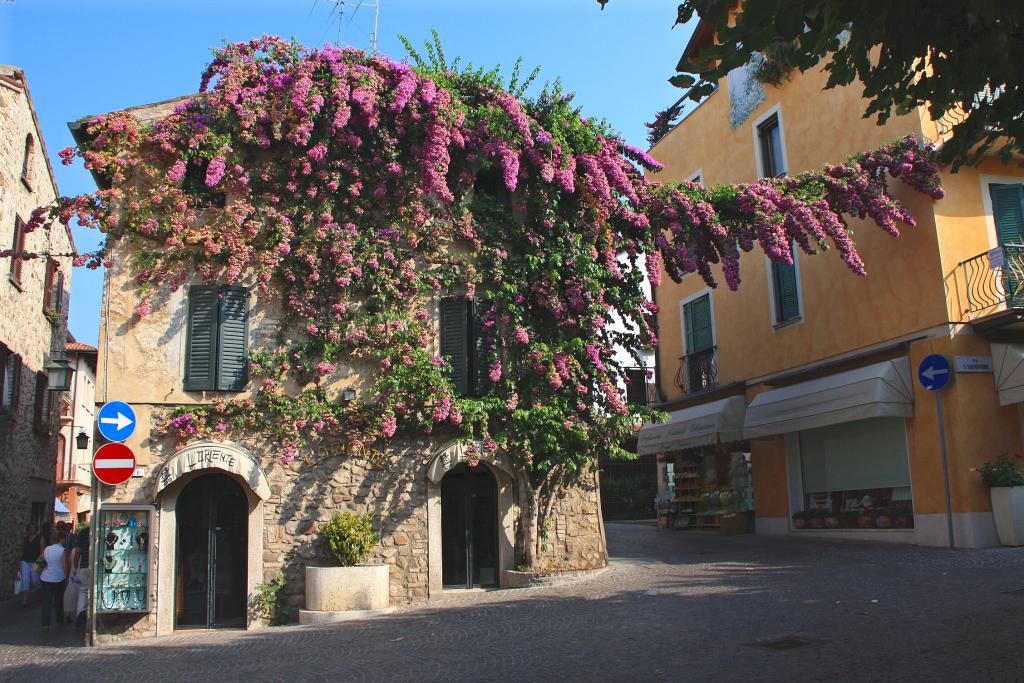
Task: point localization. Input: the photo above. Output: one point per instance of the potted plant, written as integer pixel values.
(800, 519)
(1006, 487)
(831, 520)
(848, 519)
(866, 520)
(883, 518)
(817, 519)
(903, 517)
(354, 585)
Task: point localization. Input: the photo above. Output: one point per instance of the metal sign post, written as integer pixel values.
(934, 374)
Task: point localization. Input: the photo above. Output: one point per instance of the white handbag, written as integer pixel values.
(18, 590)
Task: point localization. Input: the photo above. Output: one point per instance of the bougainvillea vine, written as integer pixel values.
(358, 190)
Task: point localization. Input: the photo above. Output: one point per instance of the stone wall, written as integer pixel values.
(27, 458)
(573, 537)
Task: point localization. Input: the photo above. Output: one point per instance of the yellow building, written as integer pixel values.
(806, 379)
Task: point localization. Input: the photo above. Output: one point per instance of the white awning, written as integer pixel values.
(880, 390)
(60, 508)
(708, 423)
(1008, 372)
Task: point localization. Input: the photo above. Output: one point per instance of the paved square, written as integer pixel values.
(673, 606)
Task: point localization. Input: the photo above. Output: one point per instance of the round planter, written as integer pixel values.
(883, 522)
(903, 522)
(831, 522)
(817, 523)
(800, 523)
(339, 589)
(1008, 510)
(866, 522)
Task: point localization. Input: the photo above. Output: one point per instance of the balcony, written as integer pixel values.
(698, 371)
(640, 391)
(993, 288)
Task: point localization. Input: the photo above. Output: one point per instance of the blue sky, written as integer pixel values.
(97, 56)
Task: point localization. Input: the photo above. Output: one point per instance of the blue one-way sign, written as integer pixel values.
(934, 372)
(116, 421)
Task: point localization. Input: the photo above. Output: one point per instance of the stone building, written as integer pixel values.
(77, 419)
(230, 513)
(33, 322)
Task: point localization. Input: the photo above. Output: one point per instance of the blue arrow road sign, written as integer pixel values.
(934, 372)
(116, 421)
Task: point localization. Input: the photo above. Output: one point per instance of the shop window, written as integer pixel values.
(464, 344)
(17, 246)
(708, 483)
(217, 347)
(857, 471)
(28, 161)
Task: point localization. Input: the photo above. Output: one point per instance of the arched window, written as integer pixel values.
(27, 163)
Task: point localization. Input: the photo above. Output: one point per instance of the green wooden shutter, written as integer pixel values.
(201, 340)
(233, 341)
(787, 301)
(480, 346)
(454, 338)
(699, 335)
(1008, 210)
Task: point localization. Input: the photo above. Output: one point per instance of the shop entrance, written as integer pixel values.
(212, 530)
(469, 527)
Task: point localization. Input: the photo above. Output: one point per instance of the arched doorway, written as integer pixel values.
(210, 564)
(469, 527)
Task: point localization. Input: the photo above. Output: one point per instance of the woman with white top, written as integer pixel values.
(54, 578)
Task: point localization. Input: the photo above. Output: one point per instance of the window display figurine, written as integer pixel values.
(111, 540)
(142, 539)
(867, 502)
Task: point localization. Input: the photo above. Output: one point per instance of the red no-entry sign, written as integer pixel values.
(113, 464)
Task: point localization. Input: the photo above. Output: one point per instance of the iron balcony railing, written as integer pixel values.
(698, 371)
(994, 279)
(640, 390)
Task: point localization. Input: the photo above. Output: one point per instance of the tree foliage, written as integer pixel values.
(962, 60)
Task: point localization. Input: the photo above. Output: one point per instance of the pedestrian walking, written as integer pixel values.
(53, 578)
(76, 597)
(31, 548)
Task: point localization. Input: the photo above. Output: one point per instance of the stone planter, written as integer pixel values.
(1008, 510)
(339, 593)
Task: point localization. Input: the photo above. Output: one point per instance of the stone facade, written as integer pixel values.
(142, 362)
(27, 452)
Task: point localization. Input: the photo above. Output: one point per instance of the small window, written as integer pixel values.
(464, 343)
(697, 321)
(769, 135)
(17, 246)
(217, 344)
(699, 369)
(29, 161)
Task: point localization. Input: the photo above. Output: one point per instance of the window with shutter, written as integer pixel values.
(785, 290)
(697, 320)
(40, 417)
(49, 282)
(217, 342)
(14, 366)
(233, 344)
(1008, 212)
(17, 245)
(481, 346)
(201, 338)
(5, 383)
(769, 136)
(455, 340)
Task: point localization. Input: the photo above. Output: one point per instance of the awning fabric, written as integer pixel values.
(1008, 372)
(880, 390)
(60, 508)
(708, 423)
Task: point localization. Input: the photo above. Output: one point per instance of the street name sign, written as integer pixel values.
(934, 372)
(113, 463)
(973, 364)
(116, 421)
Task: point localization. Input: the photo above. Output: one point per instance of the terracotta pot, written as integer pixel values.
(883, 522)
(800, 523)
(866, 522)
(817, 523)
(831, 522)
(903, 522)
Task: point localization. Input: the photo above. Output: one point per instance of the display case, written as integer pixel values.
(123, 559)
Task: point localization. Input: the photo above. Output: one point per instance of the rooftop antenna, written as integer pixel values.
(355, 6)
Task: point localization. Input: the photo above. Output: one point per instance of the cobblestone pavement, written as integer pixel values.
(673, 606)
